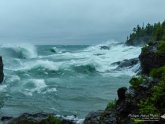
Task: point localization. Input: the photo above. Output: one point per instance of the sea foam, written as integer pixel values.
(22, 50)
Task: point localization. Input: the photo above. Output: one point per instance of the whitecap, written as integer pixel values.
(3, 87)
(50, 90)
(21, 50)
(38, 85)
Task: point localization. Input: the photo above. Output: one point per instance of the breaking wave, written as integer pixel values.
(50, 68)
(98, 58)
(22, 51)
(55, 76)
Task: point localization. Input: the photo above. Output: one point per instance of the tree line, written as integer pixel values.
(155, 32)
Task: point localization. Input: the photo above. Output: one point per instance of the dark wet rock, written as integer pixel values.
(67, 122)
(98, 54)
(35, 117)
(6, 118)
(93, 118)
(108, 117)
(53, 50)
(38, 118)
(130, 92)
(117, 63)
(104, 47)
(121, 93)
(126, 63)
(139, 41)
(1, 70)
(100, 117)
(149, 59)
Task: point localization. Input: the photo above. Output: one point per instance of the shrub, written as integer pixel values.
(51, 120)
(161, 48)
(111, 105)
(158, 96)
(155, 103)
(145, 49)
(158, 73)
(136, 81)
(147, 107)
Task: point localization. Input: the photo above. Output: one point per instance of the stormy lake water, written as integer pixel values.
(67, 80)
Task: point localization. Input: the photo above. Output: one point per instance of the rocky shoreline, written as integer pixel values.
(140, 89)
(119, 111)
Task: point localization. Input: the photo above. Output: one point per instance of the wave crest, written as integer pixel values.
(22, 51)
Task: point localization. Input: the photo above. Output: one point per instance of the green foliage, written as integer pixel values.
(136, 81)
(159, 32)
(111, 105)
(145, 48)
(147, 107)
(158, 73)
(51, 120)
(148, 33)
(161, 48)
(156, 102)
(158, 96)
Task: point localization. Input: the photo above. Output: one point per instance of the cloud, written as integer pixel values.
(75, 21)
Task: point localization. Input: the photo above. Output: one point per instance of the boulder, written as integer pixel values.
(121, 93)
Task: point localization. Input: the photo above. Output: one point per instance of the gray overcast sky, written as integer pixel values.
(75, 21)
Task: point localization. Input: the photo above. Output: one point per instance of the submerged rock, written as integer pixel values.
(6, 118)
(1, 70)
(53, 50)
(104, 47)
(126, 63)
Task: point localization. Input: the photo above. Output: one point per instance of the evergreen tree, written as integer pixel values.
(149, 32)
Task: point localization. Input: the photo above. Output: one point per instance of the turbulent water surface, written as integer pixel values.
(67, 80)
